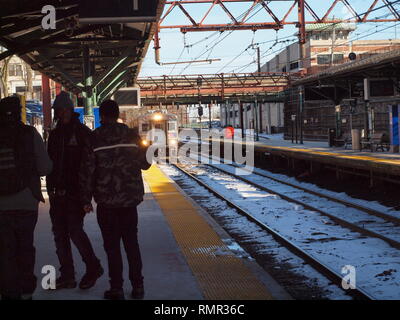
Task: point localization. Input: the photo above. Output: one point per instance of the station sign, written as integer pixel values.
(117, 11)
(128, 98)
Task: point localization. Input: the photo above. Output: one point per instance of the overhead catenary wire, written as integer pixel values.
(229, 33)
(340, 44)
(215, 42)
(315, 55)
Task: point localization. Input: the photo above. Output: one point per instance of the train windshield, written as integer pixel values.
(171, 126)
(145, 127)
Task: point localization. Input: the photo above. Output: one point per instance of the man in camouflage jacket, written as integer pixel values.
(111, 173)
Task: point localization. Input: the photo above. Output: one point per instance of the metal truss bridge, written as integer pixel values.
(192, 89)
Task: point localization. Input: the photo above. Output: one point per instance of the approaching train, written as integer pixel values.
(131, 113)
(166, 122)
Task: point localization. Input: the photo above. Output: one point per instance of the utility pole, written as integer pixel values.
(255, 115)
(301, 107)
(302, 47)
(209, 113)
(333, 44)
(258, 57)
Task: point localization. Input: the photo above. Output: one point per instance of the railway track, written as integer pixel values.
(352, 226)
(367, 232)
(350, 204)
(317, 264)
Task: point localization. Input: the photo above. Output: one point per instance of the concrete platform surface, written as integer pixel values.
(167, 275)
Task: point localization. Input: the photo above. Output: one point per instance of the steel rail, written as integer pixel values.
(370, 211)
(340, 221)
(309, 258)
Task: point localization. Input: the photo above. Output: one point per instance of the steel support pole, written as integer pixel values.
(46, 97)
(256, 119)
(260, 117)
(302, 48)
(301, 107)
(88, 81)
(209, 113)
(241, 118)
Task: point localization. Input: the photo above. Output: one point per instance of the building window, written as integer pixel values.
(20, 89)
(338, 58)
(325, 35)
(341, 35)
(324, 59)
(294, 65)
(15, 70)
(145, 127)
(284, 69)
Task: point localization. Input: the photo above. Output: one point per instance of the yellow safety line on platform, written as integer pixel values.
(327, 153)
(338, 155)
(220, 274)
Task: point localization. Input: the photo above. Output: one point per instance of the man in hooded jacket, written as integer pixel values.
(111, 172)
(65, 146)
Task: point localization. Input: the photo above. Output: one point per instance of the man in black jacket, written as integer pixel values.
(111, 172)
(66, 144)
(23, 159)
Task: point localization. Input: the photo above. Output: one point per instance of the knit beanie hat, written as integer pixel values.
(63, 101)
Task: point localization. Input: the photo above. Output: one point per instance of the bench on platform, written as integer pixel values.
(345, 140)
(378, 141)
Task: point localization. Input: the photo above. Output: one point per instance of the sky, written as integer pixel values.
(231, 47)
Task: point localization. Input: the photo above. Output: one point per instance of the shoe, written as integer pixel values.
(114, 294)
(65, 283)
(138, 292)
(90, 278)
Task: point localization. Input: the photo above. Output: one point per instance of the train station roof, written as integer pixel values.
(385, 64)
(115, 50)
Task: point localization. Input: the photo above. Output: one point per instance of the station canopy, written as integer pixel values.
(104, 39)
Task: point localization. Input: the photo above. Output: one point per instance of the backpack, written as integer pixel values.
(16, 158)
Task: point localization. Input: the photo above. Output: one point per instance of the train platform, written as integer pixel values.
(186, 255)
(319, 152)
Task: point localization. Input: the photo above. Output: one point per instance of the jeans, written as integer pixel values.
(118, 224)
(67, 216)
(17, 253)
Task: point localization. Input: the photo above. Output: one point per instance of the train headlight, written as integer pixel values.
(145, 143)
(157, 117)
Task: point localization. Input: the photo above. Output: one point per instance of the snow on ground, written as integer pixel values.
(254, 234)
(352, 215)
(338, 195)
(375, 261)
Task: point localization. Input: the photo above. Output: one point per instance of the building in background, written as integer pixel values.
(17, 77)
(327, 45)
(265, 115)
